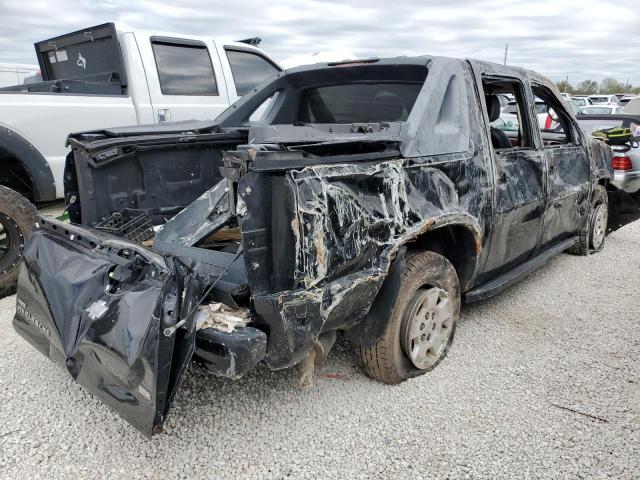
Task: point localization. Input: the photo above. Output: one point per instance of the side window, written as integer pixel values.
(554, 121)
(184, 69)
(249, 69)
(510, 126)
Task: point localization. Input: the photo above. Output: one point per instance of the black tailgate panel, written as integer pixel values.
(108, 341)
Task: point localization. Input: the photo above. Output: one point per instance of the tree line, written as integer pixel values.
(589, 87)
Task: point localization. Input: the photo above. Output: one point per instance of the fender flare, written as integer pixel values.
(37, 167)
(371, 328)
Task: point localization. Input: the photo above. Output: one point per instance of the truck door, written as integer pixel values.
(568, 170)
(184, 77)
(519, 171)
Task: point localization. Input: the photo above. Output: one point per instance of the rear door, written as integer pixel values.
(184, 76)
(519, 176)
(568, 170)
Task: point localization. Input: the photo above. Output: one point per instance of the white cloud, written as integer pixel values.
(579, 39)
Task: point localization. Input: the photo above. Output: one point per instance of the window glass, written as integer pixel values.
(511, 108)
(541, 108)
(555, 124)
(249, 70)
(359, 103)
(509, 126)
(597, 110)
(184, 69)
(260, 113)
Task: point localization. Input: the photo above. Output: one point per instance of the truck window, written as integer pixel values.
(510, 126)
(184, 69)
(554, 123)
(249, 69)
(358, 103)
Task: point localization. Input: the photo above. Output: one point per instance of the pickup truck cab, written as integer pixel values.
(106, 77)
(366, 198)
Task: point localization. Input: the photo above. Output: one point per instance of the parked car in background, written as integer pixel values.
(510, 111)
(601, 109)
(582, 101)
(13, 74)
(106, 77)
(573, 106)
(597, 99)
(626, 158)
(626, 99)
(368, 199)
(633, 106)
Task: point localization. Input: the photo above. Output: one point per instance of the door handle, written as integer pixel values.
(164, 115)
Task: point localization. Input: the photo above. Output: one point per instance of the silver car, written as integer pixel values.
(626, 158)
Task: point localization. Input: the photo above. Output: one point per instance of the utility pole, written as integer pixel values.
(506, 49)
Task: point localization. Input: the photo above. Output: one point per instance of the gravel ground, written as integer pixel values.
(542, 381)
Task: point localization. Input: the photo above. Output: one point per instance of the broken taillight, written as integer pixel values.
(622, 163)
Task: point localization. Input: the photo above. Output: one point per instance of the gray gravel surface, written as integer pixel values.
(542, 381)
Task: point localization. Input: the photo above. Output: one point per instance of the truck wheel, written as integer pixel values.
(17, 216)
(422, 323)
(594, 231)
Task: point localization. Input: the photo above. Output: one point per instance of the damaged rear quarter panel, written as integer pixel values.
(341, 226)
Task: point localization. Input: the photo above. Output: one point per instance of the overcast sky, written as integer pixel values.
(579, 39)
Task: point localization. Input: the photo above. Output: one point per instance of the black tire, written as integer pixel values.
(17, 216)
(587, 233)
(388, 360)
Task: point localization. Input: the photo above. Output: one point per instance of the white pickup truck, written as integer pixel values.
(103, 77)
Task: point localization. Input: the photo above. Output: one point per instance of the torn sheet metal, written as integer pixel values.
(201, 218)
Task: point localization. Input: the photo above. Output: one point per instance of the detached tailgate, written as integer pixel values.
(97, 306)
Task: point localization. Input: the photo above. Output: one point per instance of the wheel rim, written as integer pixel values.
(599, 228)
(427, 326)
(11, 244)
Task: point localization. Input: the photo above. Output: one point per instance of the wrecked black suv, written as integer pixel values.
(366, 198)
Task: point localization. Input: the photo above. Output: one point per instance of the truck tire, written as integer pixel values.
(593, 233)
(422, 324)
(17, 216)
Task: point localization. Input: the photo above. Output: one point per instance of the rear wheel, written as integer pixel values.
(594, 231)
(422, 323)
(17, 216)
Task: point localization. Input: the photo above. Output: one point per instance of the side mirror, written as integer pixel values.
(552, 113)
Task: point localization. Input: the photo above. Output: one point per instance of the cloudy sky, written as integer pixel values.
(579, 39)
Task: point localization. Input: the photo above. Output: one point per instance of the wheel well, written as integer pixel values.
(14, 175)
(457, 243)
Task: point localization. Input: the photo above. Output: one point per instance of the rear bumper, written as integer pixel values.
(629, 181)
(230, 354)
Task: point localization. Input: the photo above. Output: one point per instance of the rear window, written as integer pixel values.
(249, 70)
(184, 69)
(541, 108)
(359, 103)
(597, 110)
